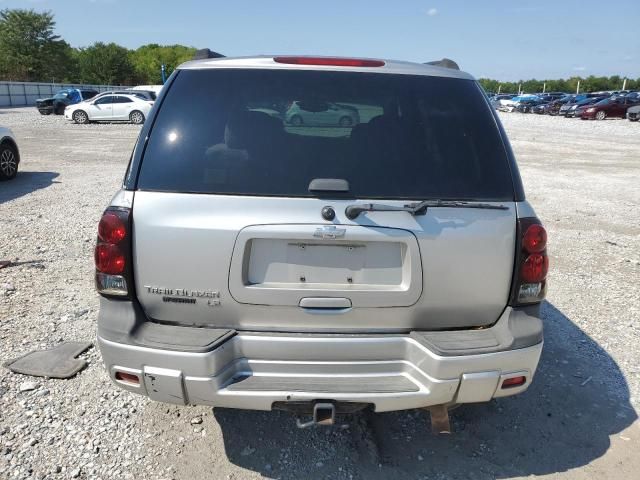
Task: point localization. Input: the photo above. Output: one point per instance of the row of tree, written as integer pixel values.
(30, 51)
(588, 84)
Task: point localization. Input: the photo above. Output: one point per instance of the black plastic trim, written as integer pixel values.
(125, 322)
(130, 181)
(523, 329)
(516, 179)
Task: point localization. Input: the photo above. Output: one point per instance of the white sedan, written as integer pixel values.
(9, 155)
(110, 108)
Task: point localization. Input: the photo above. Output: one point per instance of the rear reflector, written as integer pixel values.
(127, 378)
(514, 382)
(330, 61)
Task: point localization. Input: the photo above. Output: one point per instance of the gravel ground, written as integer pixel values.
(577, 421)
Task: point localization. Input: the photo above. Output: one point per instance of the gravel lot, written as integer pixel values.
(577, 421)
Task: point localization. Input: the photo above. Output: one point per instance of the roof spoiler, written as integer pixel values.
(205, 53)
(445, 62)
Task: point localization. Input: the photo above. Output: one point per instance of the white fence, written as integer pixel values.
(16, 94)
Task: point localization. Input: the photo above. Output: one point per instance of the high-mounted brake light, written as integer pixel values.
(330, 61)
(113, 253)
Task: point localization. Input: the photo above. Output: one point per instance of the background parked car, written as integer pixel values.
(154, 89)
(9, 154)
(553, 107)
(321, 113)
(147, 95)
(62, 99)
(511, 104)
(498, 100)
(527, 106)
(577, 108)
(633, 113)
(613, 107)
(573, 100)
(110, 108)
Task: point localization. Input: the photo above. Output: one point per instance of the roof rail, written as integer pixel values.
(206, 53)
(445, 62)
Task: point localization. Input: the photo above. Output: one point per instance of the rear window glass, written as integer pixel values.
(271, 132)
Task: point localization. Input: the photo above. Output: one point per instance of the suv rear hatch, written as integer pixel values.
(228, 232)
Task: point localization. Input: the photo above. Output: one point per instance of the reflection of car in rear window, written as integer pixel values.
(272, 132)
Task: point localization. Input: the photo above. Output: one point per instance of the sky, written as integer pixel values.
(505, 40)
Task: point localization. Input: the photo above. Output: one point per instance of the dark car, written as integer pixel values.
(68, 96)
(543, 108)
(527, 106)
(613, 107)
(549, 103)
(573, 100)
(577, 108)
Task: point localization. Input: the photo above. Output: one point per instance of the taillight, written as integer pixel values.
(330, 61)
(113, 253)
(532, 263)
(109, 259)
(534, 269)
(534, 239)
(111, 228)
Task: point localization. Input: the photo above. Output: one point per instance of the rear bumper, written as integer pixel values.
(252, 370)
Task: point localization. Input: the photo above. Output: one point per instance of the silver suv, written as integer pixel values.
(391, 262)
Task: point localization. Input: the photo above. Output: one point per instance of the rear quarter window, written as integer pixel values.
(270, 132)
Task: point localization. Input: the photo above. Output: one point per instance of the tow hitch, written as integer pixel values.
(323, 414)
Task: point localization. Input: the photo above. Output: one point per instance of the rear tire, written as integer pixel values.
(136, 117)
(601, 115)
(8, 162)
(81, 117)
(58, 109)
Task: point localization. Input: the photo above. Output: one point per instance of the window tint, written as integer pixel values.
(270, 132)
(104, 100)
(122, 100)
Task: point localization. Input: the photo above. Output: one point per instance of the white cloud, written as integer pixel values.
(432, 12)
(579, 69)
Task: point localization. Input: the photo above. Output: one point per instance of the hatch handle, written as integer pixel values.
(325, 302)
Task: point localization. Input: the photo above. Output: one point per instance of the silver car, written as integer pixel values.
(393, 264)
(9, 154)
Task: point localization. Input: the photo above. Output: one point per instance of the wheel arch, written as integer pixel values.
(10, 141)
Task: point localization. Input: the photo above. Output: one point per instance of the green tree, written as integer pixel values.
(29, 48)
(106, 64)
(147, 61)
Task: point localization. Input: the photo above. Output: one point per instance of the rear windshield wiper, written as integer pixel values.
(418, 208)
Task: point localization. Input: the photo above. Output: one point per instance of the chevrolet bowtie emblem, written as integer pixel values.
(329, 232)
